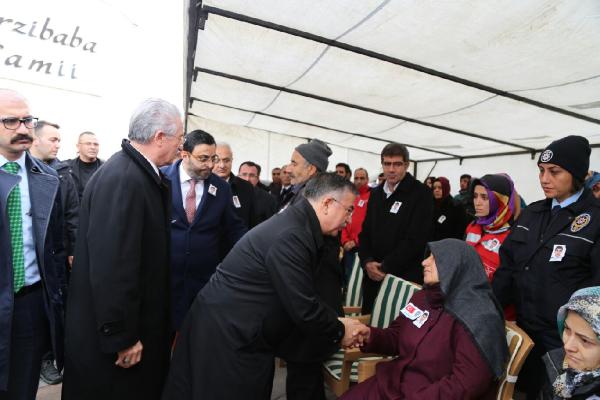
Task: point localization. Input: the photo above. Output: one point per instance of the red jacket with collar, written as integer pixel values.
(351, 231)
(487, 246)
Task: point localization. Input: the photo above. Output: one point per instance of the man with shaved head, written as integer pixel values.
(242, 192)
(32, 282)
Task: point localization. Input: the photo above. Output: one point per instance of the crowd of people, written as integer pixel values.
(161, 274)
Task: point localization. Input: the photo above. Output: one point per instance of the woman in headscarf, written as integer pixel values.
(592, 182)
(449, 341)
(449, 217)
(496, 204)
(574, 370)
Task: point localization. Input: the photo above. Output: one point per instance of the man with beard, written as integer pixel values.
(204, 225)
(118, 340)
(32, 259)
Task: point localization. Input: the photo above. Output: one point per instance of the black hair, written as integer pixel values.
(42, 123)
(345, 166)
(327, 182)
(194, 138)
(251, 164)
(395, 149)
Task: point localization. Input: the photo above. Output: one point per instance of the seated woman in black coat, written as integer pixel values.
(574, 370)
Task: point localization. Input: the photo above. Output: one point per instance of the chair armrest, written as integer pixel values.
(352, 355)
(366, 368)
(365, 319)
(352, 310)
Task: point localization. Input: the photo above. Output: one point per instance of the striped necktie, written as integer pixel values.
(15, 219)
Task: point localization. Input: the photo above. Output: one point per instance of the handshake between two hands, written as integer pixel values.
(355, 333)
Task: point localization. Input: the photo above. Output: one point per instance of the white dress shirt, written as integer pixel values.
(32, 273)
(184, 181)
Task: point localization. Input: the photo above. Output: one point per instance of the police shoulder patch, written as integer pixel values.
(580, 222)
(546, 156)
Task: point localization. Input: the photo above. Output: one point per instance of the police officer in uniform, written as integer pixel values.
(533, 274)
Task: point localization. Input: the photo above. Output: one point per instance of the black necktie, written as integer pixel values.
(555, 210)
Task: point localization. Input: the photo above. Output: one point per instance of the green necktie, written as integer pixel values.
(15, 219)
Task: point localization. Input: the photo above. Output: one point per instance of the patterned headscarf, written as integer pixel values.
(586, 303)
(503, 201)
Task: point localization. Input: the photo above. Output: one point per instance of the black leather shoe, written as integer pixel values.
(49, 373)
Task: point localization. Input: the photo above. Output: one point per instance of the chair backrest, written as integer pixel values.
(393, 296)
(354, 291)
(519, 346)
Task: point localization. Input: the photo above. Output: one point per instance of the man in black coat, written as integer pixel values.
(304, 369)
(398, 224)
(46, 143)
(117, 334)
(265, 202)
(242, 191)
(262, 292)
(45, 146)
(87, 162)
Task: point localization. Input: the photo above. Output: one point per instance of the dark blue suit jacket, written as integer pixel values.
(195, 248)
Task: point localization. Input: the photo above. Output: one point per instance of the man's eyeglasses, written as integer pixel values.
(205, 159)
(349, 210)
(13, 123)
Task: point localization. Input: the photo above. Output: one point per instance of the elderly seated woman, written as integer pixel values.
(449, 341)
(574, 370)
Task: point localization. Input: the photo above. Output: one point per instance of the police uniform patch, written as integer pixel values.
(581, 221)
(546, 156)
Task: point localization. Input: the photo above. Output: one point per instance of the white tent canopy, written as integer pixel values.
(455, 81)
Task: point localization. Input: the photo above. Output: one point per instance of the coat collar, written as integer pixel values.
(140, 160)
(313, 221)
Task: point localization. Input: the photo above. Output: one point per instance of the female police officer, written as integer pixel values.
(552, 251)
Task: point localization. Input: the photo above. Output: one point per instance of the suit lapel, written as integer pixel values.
(42, 192)
(177, 196)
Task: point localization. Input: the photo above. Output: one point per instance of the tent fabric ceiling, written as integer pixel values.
(476, 78)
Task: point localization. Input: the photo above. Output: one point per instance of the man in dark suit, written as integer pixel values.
(242, 192)
(118, 339)
(265, 203)
(264, 290)
(204, 225)
(32, 257)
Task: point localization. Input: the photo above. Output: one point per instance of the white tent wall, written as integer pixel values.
(138, 53)
(270, 150)
(522, 169)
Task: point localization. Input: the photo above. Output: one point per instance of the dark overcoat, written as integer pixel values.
(262, 291)
(46, 211)
(395, 232)
(119, 289)
(197, 248)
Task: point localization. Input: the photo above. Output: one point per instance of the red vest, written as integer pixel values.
(487, 246)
